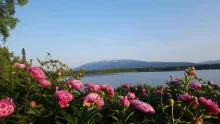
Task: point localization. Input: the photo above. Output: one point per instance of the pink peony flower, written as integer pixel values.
(190, 73)
(93, 98)
(30, 123)
(76, 84)
(142, 106)
(64, 97)
(209, 105)
(20, 66)
(217, 86)
(210, 82)
(125, 102)
(163, 88)
(158, 92)
(36, 73)
(93, 88)
(45, 83)
(135, 88)
(195, 86)
(7, 107)
(109, 89)
(185, 98)
(176, 81)
(33, 104)
(131, 96)
(144, 94)
(126, 86)
(143, 90)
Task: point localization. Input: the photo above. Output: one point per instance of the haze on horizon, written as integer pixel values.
(79, 32)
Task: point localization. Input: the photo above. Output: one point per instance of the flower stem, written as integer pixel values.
(172, 114)
(161, 102)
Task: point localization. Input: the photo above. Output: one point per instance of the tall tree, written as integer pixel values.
(23, 56)
(7, 20)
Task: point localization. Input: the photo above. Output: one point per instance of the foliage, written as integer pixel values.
(7, 19)
(161, 104)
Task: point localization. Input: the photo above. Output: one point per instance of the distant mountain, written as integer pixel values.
(100, 65)
(211, 62)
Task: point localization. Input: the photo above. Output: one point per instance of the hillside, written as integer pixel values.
(100, 65)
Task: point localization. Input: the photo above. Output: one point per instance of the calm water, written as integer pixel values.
(151, 78)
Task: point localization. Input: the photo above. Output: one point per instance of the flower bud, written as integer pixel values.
(197, 121)
(193, 68)
(210, 82)
(32, 104)
(67, 105)
(59, 73)
(195, 98)
(70, 86)
(57, 88)
(80, 74)
(102, 93)
(171, 101)
(179, 105)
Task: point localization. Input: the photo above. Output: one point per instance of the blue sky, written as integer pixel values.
(82, 31)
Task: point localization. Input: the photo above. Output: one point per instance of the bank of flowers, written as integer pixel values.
(40, 95)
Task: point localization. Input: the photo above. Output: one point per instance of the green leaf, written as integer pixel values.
(114, 117)
(116, 111)
(67, 117)
(129, 116)
(38, 60)
(166, 106)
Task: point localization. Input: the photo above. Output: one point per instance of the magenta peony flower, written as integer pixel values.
(126, 86)
(64, 97)
(7, 107)
(93, 98)
(194, 104)
(209, 105)
(210, 82)
(76, 84)
(142, 106)
(176, 81)
(158, 92)
(33, 104)
(92, 88)
(143, 90)
(195, 86)
(36, 73)
(131, 96)
(217, 86)
(135, 88)
(125, 102)
(20, 66)
(185, 98)
(109, 89)
(45, 83)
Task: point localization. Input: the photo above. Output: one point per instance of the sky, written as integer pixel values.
(82, 31)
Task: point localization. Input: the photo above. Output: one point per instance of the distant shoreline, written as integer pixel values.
(155, 69)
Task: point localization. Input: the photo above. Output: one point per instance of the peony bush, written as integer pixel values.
(44, 94)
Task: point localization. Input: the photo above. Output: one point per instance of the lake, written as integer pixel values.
(151, 78)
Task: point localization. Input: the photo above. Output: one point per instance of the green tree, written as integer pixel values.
(7, 20)
(23, 56)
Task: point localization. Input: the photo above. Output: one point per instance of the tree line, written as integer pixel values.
(154, 69)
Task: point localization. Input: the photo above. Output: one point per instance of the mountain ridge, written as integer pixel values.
(128, 63)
